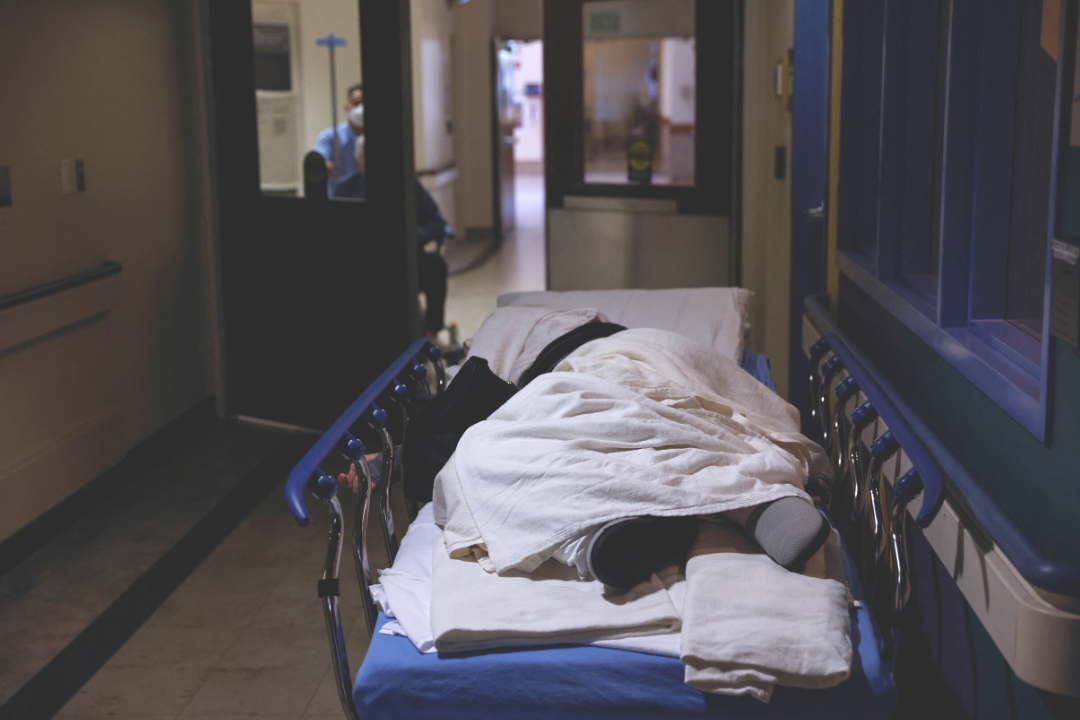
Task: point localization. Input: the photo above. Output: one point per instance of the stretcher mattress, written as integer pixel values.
(398, 681)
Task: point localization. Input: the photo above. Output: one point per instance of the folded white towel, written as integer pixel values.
(404, 592)
(472, 609)
(749, 624)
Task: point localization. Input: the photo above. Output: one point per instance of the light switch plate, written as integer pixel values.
(67, 176)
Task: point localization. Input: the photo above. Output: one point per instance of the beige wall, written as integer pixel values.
(472, 113)
(475, 24)
(432, 24)
(116, 84)
(766, 229)
(519, 19)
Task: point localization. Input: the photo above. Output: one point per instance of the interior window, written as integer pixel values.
(1032, 152)
(307, 83)
(924, 122)
(639, 92)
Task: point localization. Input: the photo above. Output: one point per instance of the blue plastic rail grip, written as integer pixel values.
(1051, 575)
(308, 467)
(933, 487)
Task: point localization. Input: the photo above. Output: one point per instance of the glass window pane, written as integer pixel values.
(639, 92)
(925, 90)
(1031, 192)
(307, 79)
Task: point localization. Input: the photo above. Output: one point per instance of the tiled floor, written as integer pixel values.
(243, 636)
(50, 598)
(518, 266)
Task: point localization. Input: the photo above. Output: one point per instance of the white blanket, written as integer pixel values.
(750, 624)
(575, 449)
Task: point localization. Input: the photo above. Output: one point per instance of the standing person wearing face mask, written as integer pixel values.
(345, 135)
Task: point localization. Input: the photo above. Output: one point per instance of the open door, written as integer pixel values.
(505, 122)
(319, 295)
(641, 131)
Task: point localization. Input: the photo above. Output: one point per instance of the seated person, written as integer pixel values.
(431, 231)
(347, 132)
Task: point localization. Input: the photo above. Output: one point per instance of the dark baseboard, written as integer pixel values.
(182, 432)
(55, 684)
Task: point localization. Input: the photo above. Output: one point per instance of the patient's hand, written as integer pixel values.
(351, 479)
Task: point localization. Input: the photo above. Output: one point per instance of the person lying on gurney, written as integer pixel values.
(623, 552)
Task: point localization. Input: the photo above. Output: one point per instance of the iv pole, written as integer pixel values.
(331, 42)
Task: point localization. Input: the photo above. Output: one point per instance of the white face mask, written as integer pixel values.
(356, 117)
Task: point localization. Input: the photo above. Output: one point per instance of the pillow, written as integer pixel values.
(511, 338)
(716, 317)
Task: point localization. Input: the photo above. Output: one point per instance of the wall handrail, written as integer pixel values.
(1055, 576)
(38, 292)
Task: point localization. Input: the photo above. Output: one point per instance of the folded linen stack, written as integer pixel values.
(750, 624)
(473, 609)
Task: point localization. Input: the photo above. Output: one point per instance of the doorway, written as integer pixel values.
(306, 281)
(517, 263)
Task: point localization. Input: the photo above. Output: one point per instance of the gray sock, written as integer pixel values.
(790, 530)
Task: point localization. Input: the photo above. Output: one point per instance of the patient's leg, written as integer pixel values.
(790, 530)
(626, 552)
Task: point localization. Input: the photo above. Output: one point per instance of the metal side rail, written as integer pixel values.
(403, 382)
(893, 465)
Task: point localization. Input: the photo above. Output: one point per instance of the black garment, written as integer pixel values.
(431, 267)
(626, 552)
(432, 273)
(436, 426)
(565, 344)
(430, 224)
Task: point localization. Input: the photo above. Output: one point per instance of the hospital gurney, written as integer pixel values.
(396, 680)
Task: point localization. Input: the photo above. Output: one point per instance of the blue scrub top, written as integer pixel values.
(346, 160)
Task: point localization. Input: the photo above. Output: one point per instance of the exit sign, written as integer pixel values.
(605, 23)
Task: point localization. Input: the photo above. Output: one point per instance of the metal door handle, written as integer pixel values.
(817, 213)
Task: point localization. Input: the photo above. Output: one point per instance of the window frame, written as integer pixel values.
(718, 107)
(1010, 367)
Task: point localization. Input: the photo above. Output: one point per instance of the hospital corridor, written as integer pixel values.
(582, 359)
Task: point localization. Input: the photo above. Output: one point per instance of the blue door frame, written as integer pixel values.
(809, 180)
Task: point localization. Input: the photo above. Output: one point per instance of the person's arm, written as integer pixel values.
(324, 145)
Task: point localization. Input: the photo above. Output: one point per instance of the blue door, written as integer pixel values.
(809, 179)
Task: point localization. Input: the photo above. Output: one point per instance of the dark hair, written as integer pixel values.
(354, 88)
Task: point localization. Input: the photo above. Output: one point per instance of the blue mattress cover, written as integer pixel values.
(398, 681)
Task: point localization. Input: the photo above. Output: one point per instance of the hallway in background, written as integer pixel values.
(517, 266)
